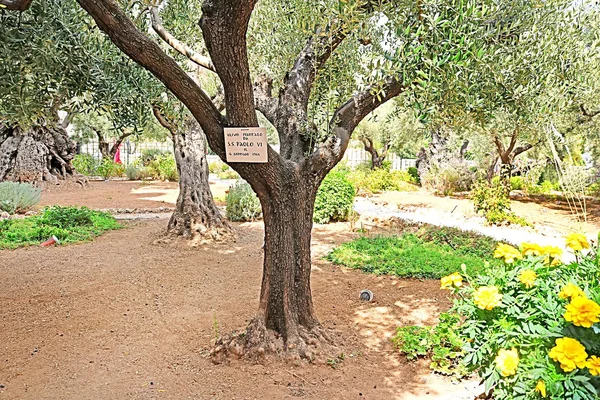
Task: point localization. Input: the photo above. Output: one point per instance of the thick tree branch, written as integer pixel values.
(347, 117)
(17, 5)
(500, 148)
(162, 120)
(588, 114)
(178, 46)
(522, 149)
(263, 97)
(121, 30)
(513, 141)
(224, 24)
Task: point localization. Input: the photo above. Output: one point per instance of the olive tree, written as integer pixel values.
(315, 71)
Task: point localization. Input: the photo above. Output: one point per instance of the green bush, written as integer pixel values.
(493, 203)
(149, 155)
(242, 204)
(516, 183)
(516, 318)
(137, 173)
(378, 180)
(442, 343)
(428, 253)
(228, 173)
(68, 224)
(85, 164)
(335, 199)
(163, 167)
(414, 175)
(109, 169)
(594, 189)
(18, 197)
(217, 167)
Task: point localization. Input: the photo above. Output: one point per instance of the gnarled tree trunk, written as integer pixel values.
(377, 158)
(196, 215)
(42, 153)
(507, 156)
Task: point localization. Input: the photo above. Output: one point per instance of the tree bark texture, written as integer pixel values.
(287, 184)
(196, 215)
(43, 153)
(507, 156)
(376, 157)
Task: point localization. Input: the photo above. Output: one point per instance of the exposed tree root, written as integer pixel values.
(257, 341)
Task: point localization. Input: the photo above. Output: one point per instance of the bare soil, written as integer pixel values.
(125, 318)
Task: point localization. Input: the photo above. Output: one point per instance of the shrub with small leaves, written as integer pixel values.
(109, 169)
(414, 175)
(18, 197)
(491, 200)
(335, 199)
(242, 203)
(163, 167)
(85, 164)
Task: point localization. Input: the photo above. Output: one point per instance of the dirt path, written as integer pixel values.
(540, 211)
(122, 318)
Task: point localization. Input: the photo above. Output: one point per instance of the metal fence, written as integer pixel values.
(131, 151)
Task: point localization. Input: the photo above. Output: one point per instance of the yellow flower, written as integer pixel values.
(570, 291)
(531, 249)
(487, 297)
(507, 252)
(593, 365)
(451, 280)
(582, 312)
(554, 253)
(577, 241)
(569, 353)
(507, 361)
(527, 278)
(541, 388)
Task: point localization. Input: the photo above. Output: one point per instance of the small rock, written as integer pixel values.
(2, 386)
(4, 215)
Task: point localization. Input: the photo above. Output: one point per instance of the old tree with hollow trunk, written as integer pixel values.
(312, 138)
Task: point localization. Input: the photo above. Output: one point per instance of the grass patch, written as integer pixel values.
(68, 224)
(429, 252)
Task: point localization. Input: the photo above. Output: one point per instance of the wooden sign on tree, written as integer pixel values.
(247, 145)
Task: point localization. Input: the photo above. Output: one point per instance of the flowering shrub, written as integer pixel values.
(531, 328)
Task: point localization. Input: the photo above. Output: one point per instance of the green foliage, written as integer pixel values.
(68, 224)
(136, 173)
(594, 189)
(217, 166)
(149, 155)
(516, 183)
(414, 175)
(492, 201)
(109, 169)
(18, 197)
(442, 343)
(242, 204)
(529, 319)
(428, 253)
(379, 180)
(163, 167)
(335, 199)
(85, 164)
(228, 173)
